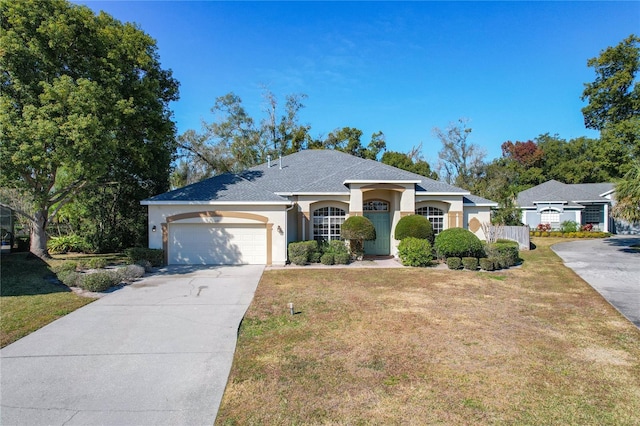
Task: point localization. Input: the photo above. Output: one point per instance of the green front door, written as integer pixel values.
(380, 246)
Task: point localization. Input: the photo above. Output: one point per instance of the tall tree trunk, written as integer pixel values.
(38, 245)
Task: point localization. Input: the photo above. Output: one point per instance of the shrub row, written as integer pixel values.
(579, 234)
(100, 280)
(333, 252)
(458, 242)
(472, 263)
(137, 254)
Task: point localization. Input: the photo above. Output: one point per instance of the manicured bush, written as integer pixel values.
(416, 226)
(358, 229)
(470, 263)
(494, 261)
(415, 251)
(136, 254)
(341, 258)
(507, 254)
(302, 252)
(95, 263)
(68, 265)
(315, 257)
(454, 262)
(99, 281)
(327, 259)
(67, 243)
(70, 278)
(458, 242)
(486, 264)
(148, 267)
(131, 272)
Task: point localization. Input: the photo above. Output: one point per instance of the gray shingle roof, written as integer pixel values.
(308, 171)
(554, 191)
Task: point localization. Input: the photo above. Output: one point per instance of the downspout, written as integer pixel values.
(286, 231)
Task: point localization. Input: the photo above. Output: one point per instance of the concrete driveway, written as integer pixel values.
(611, 267)
(157, 352)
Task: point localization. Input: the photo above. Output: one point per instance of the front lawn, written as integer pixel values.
(28, 300)
(530, 345)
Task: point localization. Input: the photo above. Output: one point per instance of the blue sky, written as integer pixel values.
(515, 70)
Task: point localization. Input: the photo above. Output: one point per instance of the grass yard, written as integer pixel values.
(528, 346)
(27, 300)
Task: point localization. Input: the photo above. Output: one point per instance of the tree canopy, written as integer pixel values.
(84, 102)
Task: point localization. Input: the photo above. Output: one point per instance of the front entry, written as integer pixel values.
(381, 222)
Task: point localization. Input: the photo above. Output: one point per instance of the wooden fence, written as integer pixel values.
(515, 233)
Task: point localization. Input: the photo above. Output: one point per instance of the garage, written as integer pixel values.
(217, 244)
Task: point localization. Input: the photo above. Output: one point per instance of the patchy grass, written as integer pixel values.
(28, 300)
(531, 345)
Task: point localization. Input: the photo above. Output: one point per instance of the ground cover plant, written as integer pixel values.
(529, 346)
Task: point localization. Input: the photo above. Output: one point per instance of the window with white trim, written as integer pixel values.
(592, 214)
(549, 216)
(327, 222)
(435, 216)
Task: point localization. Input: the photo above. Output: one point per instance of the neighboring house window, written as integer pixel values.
(327, 222)
(549, 216)
(435, 216)
(592, 214)
(375, 206)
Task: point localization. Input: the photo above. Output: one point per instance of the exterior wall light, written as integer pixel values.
(153, 228)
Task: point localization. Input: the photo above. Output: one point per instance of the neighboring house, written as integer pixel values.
(555, 202)
(250, 217)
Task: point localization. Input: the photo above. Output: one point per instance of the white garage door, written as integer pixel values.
(209, 244)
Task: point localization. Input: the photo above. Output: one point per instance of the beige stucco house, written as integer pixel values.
(250, 217)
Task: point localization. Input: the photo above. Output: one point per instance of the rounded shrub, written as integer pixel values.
(131, 272)
(341, 258)
(327, 259)
(507, 254)
(96, 263)
(470, 263)
(69, 278)
(458, 242)
(415, 252)
(358, 229)
(454, 262)
(99, 281)
(415, 226)
(68, 265)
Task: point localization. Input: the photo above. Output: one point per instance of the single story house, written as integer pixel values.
(554, 202)
(250, 217)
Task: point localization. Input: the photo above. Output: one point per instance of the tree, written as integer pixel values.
(460, 161)
(347, 139)
(411, 162)
(614, 96)
(628, 195)
(234, 142)
(70, 117)
(614, 99)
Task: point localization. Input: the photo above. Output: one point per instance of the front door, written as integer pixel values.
(381, 223)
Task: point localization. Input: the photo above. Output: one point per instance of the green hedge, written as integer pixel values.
(99, 281)
(486, 264)
(136, 254)
(454, 262)
(579, 234)
(458, 242)
(415, 252)
(415, 226)
(507, 254)
(470, 263)
(301, 252)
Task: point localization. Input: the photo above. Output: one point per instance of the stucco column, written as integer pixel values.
(355, 200)
(606, 218)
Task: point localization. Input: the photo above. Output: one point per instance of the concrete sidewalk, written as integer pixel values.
(157, 352)
(611, 267)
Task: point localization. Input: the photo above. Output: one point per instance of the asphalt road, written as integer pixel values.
(611, 267)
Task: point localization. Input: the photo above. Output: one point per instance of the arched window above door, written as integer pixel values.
(375, 206)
